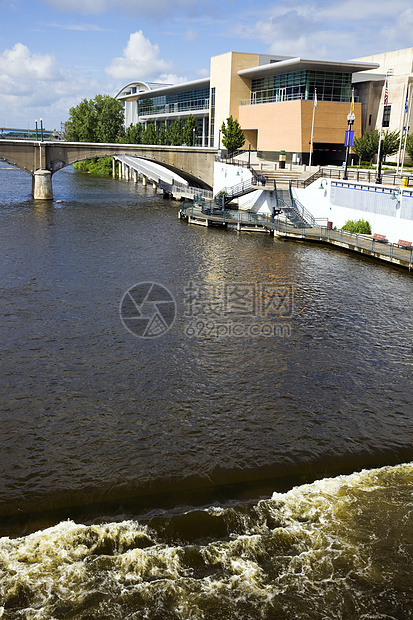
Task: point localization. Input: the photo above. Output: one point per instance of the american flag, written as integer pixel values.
(386, 94)
(406, 106)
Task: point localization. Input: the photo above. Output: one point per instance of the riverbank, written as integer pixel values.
(366, 245)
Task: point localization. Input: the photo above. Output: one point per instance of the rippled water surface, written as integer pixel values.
(170, 472)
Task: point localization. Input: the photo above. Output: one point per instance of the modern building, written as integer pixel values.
(285, 105)
(394, 74)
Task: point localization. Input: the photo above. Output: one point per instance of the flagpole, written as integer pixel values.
(401, 125)
(385, 103)
(312, 128)
(407, 126)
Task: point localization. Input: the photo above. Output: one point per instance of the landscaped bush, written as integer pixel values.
(361, 226)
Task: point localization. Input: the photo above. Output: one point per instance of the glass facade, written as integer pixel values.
(186, 101)
(301, 85)
(212, 117)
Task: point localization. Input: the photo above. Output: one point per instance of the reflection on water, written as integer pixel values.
(98, 425)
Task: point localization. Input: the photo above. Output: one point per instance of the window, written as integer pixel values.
(386, 116)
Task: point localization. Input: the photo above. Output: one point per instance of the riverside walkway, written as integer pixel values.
(212, 215)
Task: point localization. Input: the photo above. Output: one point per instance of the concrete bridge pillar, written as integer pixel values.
(42, 185)
(144, 180)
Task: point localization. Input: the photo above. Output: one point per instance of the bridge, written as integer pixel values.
(43, 159)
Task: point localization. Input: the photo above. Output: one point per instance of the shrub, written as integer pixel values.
(361, 226)
(101, 166)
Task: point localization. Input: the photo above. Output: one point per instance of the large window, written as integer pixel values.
(187, 101)
(302, 85)
(212, 134)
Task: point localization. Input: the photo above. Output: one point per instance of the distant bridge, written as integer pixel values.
(43, 159)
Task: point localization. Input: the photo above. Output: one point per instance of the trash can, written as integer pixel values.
(330, 225)
(404, 182)
(282, 160)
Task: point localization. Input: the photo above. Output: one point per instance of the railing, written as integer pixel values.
(229, 158)
(354, 241)
(196, 192)
(354, 175)
(174, 108)
(277, 98)
(228, 193)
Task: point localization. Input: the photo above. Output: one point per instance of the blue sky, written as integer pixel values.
(54, 53)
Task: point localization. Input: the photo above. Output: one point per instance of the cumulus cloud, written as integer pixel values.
(33, 86)
(20, 63)
(141, 60)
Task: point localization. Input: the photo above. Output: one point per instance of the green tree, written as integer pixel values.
(232, 136)
(98, 120)
(188, 130)
(409, 146)
(390, 143)
(361, 147)
(367, 146)
(174, 134)
(163, 135)
(149, 134)
(134, 134)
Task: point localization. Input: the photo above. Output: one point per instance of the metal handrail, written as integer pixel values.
(321, 233)
(257, 100)
(354, 174)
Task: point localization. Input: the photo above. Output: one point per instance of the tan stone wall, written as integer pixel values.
(287, 125)
(230, 88)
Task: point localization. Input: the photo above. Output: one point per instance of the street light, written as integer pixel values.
(349, 142)
(41, 130)
(193, 137)
(37, 137)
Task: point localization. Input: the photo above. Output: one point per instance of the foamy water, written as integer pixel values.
(337, 548)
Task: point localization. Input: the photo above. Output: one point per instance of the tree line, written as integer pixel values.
(102, 120)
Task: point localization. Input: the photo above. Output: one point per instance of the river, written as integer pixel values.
(197, 423)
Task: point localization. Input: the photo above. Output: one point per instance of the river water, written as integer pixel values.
(249, 455)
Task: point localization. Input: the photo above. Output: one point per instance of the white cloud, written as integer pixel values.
(20, 63)
(158, 8)
(190, 35)
(171, 78)
(33, 86)
(141, 60)
(321, 29)
(77, 27)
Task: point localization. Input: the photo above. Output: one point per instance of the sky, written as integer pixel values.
(54, 53)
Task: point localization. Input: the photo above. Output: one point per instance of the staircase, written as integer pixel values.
(292, 208)
(230, 193)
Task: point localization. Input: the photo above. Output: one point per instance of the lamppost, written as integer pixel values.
(349, 142)
(193, 137)
(379, 159)
(41, 130)
(37, 137)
